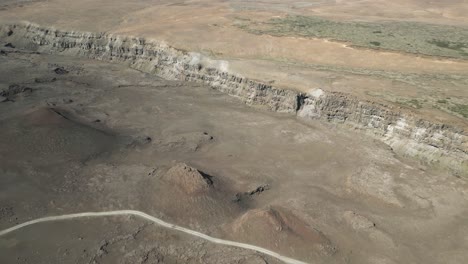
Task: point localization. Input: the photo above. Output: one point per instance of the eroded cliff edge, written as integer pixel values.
(405, 132)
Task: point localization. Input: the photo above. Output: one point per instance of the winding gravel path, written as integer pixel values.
(159, 222)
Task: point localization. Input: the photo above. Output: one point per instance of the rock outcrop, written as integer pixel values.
(405, 132)
(14, 90)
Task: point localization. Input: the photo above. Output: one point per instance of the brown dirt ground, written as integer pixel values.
(104, 137)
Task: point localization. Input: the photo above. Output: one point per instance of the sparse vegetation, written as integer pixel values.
(461, 109)
(414, 103)
(409, 37)
(459, 46)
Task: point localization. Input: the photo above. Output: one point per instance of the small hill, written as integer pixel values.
(280, 230)
(189, 179)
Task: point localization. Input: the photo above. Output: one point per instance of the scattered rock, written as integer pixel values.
(189, 179)
(45, 80)
(68, 68)
(206, 134)
(3, 53)
(9, 45)
(10, 32)
(15, 89)
(60, 71)
(153, 172)
(3, 99)
(259, 189)
(357, 221)
(241, 195)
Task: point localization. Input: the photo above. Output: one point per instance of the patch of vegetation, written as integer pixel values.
(414, 103)
(461, 109)
(440, 43)
(412, 37)
(457, 46)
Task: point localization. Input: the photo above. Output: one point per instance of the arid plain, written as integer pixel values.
(165, 107)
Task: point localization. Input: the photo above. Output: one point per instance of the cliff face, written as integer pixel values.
(151, 57)
(407, 134)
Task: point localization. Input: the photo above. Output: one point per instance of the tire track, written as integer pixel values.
(159, 222)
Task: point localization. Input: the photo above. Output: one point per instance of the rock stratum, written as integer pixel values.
(404, 131)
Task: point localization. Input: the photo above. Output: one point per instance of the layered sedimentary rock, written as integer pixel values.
(405, 132)
(153, 57)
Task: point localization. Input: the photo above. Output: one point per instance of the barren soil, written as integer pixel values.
(80, 135)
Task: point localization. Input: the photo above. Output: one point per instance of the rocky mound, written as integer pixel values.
(190, 196)
(280, 230)
(189, 179)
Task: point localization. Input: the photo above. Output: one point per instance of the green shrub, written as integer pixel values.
(460, 109)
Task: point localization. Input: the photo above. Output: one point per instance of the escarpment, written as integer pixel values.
(152, 57)
(405, 132)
